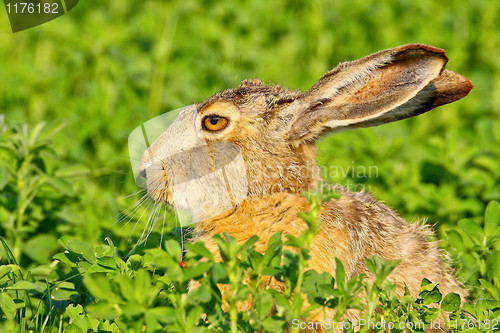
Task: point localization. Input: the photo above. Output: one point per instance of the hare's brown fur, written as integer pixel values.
(352, 228)
(275, 130)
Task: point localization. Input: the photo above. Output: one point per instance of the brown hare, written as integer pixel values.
(240, 160)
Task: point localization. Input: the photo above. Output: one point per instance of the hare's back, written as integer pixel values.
(356, 227)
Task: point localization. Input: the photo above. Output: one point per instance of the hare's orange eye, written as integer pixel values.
(214, 123)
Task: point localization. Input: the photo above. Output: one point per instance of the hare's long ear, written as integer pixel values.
(386, 86)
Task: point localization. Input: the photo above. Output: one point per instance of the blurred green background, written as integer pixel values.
(108, 66)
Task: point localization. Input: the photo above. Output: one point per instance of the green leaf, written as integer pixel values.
(4, 176)
(339, 272)
(63, 294)
(197, 271)
(69, 259)
(103, 310)
(173, 248)
(125, 284)
(470, 309)
(78, 317)
(199, 248)
(72, 328)
(250, 242)
(111, 248)
(132, 309)
(495, 263)
(61, 185)
(99, 286)
(219, 273)
(317, 285)
(142, 284)
(371, 265)
(8, 306)
(450, 302)
(492, 290)
(152, 324)
(263, 304)
(492, 218)
(35, 133)
(272, 256)
(135, 261)
(6, 269)
(201, 294)
(194, 316)
(430, 314)
(73, 171)
(107, 262)
(77, 246)
(95, 268)
(429, 292)
(455, 240)
(39, 247)
(430, 297)
(274, 324)
(427, 285)
(242, 293)
(470, 227)
(159, 258)
(24, 285)
(10, 147)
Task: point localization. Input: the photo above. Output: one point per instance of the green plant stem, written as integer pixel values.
(233, 310)
(233, 315)
(372, 303)
(300, 280)
(21, 206)
(310, 233)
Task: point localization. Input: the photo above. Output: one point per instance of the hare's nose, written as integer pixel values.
(142, 172)
(146, 158)
(142, 168)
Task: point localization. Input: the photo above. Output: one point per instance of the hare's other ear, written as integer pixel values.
(386, 86)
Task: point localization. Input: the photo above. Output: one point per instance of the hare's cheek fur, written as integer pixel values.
(206, 180)
(280, 169)
(246, 179)
(190, 172)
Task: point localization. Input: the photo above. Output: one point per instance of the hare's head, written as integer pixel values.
(257, 140)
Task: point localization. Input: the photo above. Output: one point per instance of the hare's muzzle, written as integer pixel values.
(186, 170)
(155, 172)
(209, 177)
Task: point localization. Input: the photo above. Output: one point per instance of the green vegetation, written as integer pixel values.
(73, 89)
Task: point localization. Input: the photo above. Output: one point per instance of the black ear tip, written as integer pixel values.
(450, 87)
(421, 48)
(418, 46)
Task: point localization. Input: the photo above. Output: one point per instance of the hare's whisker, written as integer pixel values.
(178, 217)
(131, 195)
(134, 211)
(156, 214)
(125, 213)
(163, 225)
(142, 238)
(138, 220)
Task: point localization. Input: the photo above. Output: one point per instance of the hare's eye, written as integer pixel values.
(214, 123)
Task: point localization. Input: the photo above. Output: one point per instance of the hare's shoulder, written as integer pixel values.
(371, 227)
(360, 211)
